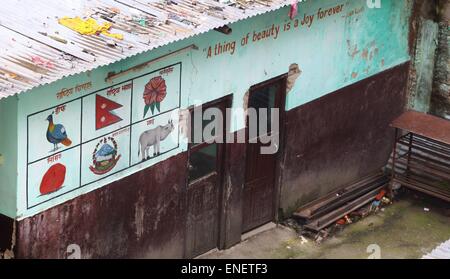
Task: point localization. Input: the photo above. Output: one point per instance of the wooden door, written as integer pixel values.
(204, 191)
(203, 216)
(259, 189)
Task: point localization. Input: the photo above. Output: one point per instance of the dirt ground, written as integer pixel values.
(408, 229)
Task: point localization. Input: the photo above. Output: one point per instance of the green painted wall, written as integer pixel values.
(332, 52)
(424, 63)
(8, 156)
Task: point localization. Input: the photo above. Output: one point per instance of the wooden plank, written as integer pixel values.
(332, 217)
(313, 207)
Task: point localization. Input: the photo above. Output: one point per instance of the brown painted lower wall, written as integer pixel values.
(141, 216)
(327, 142)
(340, 137)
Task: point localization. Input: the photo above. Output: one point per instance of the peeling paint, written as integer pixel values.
(293, 74)
(245, 100)
(352, 49)
(184, 123)
(365, 54)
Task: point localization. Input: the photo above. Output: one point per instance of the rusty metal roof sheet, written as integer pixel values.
(425, 125)
(35, 49)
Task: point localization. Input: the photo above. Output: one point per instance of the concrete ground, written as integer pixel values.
(404, 230)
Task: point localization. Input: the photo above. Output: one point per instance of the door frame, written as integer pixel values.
(221, 156)
(282, 80)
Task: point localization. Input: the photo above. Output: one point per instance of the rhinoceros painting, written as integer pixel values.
(153, 138)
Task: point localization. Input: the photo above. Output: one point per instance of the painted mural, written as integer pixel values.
(102, 133)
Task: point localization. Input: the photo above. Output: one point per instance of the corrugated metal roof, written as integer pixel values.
(35, 49)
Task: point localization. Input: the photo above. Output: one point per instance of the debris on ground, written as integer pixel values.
(345, 204)
(321, 236)
(291, 223)
(324, 217)
(386, 201)
(303, 240)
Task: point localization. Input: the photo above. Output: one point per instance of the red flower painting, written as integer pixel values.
(154, 93)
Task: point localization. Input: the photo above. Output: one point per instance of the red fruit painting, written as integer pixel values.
(53, 179)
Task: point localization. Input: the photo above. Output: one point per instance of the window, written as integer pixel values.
(204, 124)
(264, 99)
(203, 155)
(203, 162)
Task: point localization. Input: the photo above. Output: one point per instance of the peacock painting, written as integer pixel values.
(56, 134)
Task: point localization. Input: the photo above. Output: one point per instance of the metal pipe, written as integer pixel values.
(113, 76)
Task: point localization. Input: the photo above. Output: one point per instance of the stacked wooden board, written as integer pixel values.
(325, 211)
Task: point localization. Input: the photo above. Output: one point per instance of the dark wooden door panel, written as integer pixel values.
(258, 209)
(202, 223)
(205, 188)
(259, 188)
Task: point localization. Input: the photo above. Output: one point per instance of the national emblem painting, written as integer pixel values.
(105, 156)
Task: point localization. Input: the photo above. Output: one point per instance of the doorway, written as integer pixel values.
(259, 195)
(204, 192)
